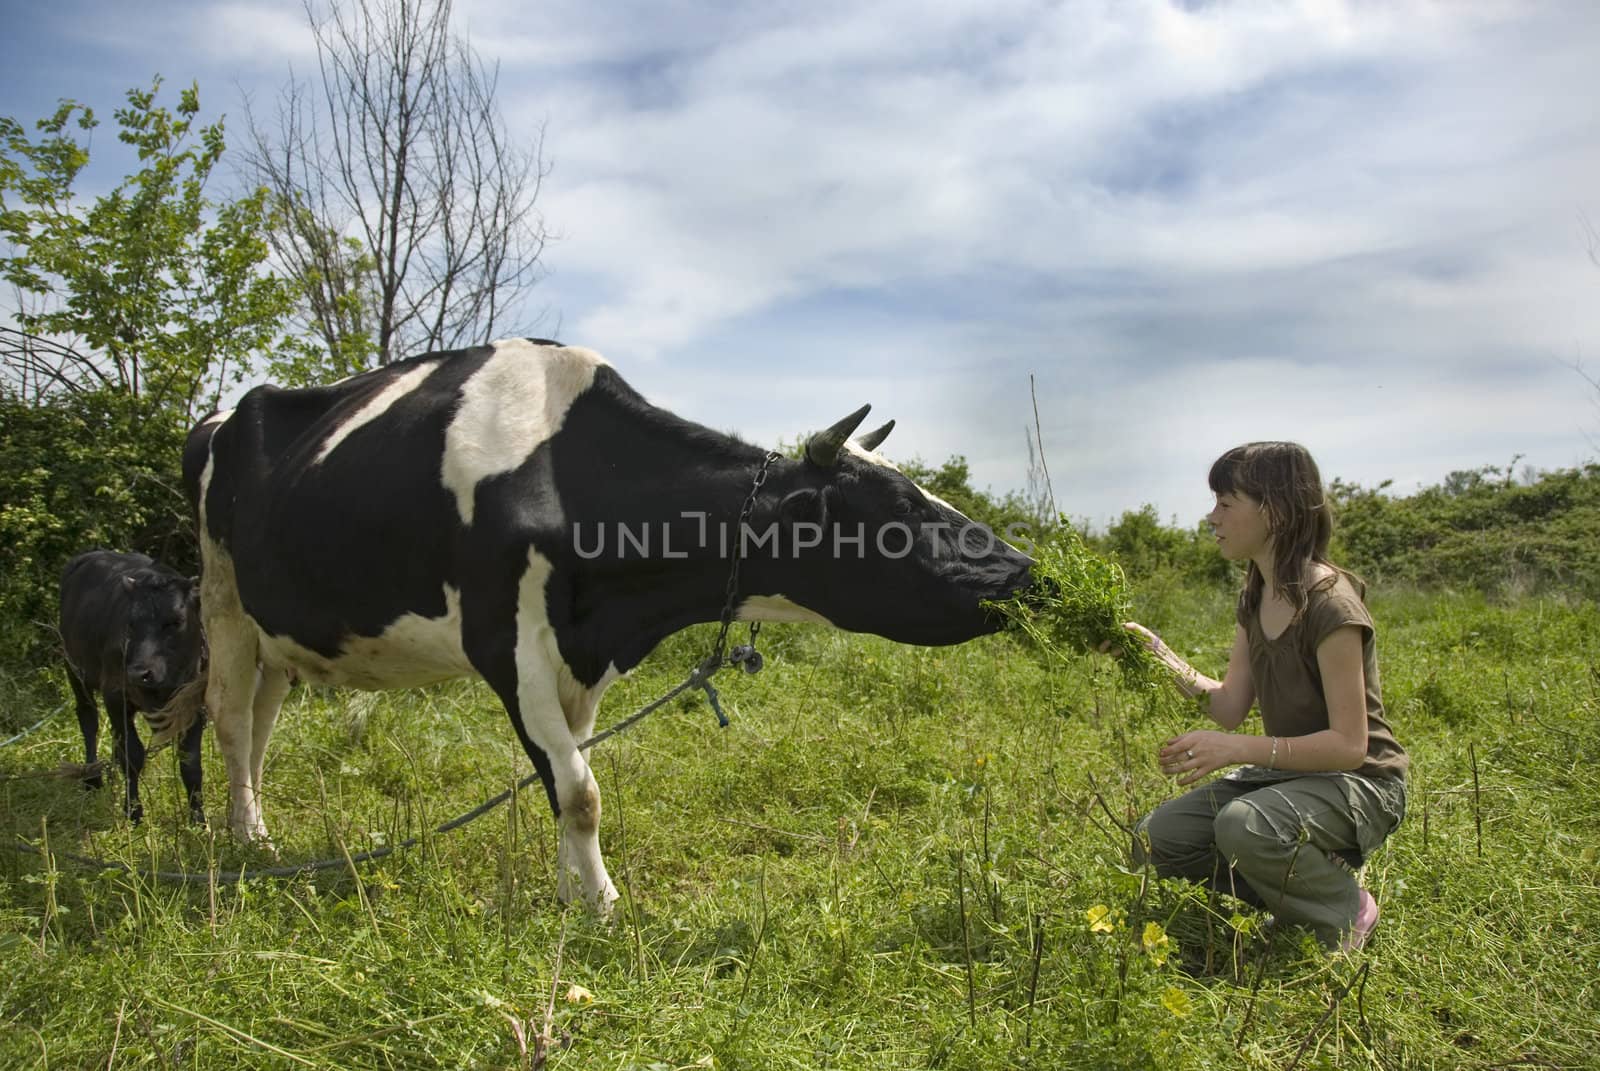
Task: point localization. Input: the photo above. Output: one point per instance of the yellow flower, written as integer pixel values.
(1176, 1001)
(1156, 942)
(1100, 920)
(576, 994)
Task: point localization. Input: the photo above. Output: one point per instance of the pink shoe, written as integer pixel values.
(1360, 931)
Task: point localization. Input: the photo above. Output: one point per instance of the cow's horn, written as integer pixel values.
(823, 447)
(874, 439)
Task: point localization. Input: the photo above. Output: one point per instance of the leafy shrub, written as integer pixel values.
(79, 471)
(1145, 548)
(1477, 529)
(134, 312)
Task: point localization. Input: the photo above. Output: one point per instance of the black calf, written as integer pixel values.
(131, 629)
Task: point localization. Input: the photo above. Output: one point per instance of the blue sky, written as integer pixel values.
(1356, 224)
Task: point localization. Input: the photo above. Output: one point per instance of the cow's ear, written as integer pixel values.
(803, 507)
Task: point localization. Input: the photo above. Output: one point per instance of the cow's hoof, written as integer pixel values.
(602, 902)
(606, 906)
(135, 813)
(92, 782)
(262, 847)
(251, 834)
(197, 817)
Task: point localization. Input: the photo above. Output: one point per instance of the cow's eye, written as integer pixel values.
(902, 507)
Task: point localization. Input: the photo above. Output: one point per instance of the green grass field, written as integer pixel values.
(894, 858)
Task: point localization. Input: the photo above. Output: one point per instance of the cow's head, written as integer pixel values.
(867, 549)
(161, 650)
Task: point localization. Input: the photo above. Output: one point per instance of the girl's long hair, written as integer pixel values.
(1283, 477)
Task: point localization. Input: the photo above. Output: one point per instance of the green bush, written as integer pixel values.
(134, 312)
(79, 471)
(1477, 530)
(1147, 549)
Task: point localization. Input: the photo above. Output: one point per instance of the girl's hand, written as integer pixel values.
(1158, 647)
(1194, 755)
(1151, 640)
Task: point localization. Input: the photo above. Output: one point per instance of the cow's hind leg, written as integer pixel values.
(230, 700)
(271, 686)
(89, 722)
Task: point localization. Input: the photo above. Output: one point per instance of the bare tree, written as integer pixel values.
(402, 203)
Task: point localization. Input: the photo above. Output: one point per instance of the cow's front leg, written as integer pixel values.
(127, 752)
(579, 706)
(508, 638)
(582, 869)
(569, 785)
(574, 796)
(89, 723)
(189, 770)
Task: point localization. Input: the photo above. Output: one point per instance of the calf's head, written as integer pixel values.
(161, 649)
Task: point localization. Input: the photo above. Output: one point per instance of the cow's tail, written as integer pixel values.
(183, 710)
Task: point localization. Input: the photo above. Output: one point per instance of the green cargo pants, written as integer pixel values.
(1289, 844)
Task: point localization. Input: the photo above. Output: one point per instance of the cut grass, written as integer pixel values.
(888, 860)
(1077, 605)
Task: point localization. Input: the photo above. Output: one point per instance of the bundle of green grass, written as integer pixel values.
(1077, 605)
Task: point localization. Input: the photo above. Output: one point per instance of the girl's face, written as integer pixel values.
(1240, 524)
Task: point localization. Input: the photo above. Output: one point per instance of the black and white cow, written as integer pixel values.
(130, 627)
(518, 512)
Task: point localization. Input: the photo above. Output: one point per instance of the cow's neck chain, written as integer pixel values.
(744, 655)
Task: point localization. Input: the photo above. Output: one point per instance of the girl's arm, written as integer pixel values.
(1341, 746)
(1226, 701)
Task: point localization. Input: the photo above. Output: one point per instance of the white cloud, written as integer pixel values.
(776, 211)
(260, 36)
(873, 146)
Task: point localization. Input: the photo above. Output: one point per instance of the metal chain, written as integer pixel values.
(744, 655)
(745, 513)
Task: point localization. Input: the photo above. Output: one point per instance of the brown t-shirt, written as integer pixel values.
(1288, 681)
